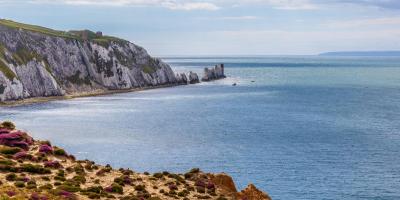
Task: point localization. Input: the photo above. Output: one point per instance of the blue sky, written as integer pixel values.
(225, 27)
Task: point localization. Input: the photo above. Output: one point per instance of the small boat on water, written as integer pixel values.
(234, 84)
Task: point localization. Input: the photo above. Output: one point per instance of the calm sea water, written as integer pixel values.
(297, 127)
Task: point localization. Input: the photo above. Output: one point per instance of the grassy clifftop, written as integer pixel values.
(76, 34)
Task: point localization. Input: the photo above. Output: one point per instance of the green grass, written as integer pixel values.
(7, 71)
(4, 67)
(38, 29)
(77, 35)
(22, 56)
(148, 70)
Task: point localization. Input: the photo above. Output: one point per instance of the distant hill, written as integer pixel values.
(361, 53)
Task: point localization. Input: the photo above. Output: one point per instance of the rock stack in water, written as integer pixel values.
(193, 78)
(214, 73)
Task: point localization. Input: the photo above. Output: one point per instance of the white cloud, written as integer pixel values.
(357, 23)
(233, 18)
(170, 4)
(190, 6)
(281, 4)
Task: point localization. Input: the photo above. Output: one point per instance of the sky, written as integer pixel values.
(224, 27)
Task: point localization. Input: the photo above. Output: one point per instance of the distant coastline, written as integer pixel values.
(361, 53)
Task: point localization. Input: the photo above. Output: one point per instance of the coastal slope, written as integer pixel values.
(38, 170)
(41, 62)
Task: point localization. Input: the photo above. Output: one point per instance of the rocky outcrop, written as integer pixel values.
(182, 79)
(193, 78)
(225, 183)
(214, 73)
(40, 62)
(252, 193)
(227, 187)
(39, 170)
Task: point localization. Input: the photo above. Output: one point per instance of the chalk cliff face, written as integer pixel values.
(39, 62)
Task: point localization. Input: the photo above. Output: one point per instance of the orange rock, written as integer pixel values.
(224, 183)
(252, 193)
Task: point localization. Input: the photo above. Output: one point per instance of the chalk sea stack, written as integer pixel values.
(31, 169)
(218, 72)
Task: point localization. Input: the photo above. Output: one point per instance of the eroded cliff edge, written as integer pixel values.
(37, 170)
(41, 62)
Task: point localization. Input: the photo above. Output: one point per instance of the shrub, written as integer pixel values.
(52, 164)
(35, 169)
(8, 125)
(59, 152)
(158, 175)
(22, 155)
(60, 178)
(31, 184)
(19, 184)
(165, 173)
(69, 188)
(6, 162)
(194, 170)
(115, 188)
(140, 188)
(172, 187)
(46, 187)
(44, 148)
(79, 178)
(11, 177)
(78, 168)
(95, 189)
(9, 150)
(92, 195)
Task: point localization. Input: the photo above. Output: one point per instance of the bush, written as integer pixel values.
(11, 177)
(69, 188)
(59, 152)
(31, 184)
(158, 175)
(6, 162)
(115, 188)
(44, 148)
(46, 187)
(8, 125)
(95, 189)
(79, 178)
(9, 150)
(34, 169)
(19, 184)
(194, 170)
(140, 188)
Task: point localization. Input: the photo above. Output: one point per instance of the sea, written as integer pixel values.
(298, 127)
